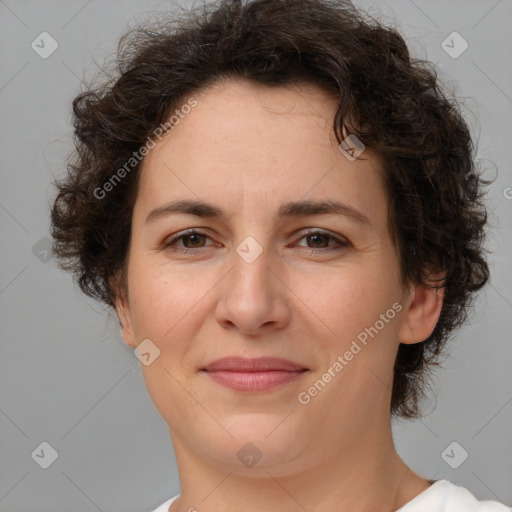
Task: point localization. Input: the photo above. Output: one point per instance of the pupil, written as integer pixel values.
(317, 237)
(194, 238)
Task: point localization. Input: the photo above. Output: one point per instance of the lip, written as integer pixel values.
(253, 374)
(255, 364)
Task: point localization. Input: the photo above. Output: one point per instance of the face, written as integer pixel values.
(266, 278)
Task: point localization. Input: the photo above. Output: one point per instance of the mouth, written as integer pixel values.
(253, 374)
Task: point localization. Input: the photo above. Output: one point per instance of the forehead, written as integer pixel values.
(244, 140)
(240, 119)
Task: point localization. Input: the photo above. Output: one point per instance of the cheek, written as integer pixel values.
(166, 300)
(345, 301)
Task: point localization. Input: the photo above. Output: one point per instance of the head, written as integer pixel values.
(255, 101)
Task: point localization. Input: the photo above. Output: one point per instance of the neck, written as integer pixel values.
(359, 476)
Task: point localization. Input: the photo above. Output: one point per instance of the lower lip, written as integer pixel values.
(253, 381)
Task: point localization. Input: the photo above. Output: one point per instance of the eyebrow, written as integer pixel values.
(287, 210)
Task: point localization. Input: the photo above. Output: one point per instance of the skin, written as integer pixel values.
(248, 148)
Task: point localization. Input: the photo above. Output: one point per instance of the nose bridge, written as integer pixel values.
(252, 267)
(252, 296)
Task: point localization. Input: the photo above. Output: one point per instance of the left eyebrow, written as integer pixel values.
(287, 210)
(308, 208)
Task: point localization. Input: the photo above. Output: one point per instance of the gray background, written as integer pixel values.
(66, 376)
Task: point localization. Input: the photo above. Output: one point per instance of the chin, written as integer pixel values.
(256, 441)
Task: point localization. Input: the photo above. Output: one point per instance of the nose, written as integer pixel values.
(254, 297)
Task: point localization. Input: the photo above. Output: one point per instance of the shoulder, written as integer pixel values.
(463, 499)
(444, 496)
(164, 507)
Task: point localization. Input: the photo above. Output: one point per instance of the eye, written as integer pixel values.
(320, 240)
(192, 240)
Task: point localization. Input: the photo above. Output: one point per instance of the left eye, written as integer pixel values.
(317, 236)
(194, 241)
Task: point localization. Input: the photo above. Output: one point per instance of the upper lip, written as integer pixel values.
(256, 364)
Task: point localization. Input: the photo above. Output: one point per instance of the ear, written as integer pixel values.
(421, 315)
(122, 305)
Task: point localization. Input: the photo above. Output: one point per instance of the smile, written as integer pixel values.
(254, 381)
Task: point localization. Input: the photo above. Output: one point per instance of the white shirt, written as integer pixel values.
(441, 496)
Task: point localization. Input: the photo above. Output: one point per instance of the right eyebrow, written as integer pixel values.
(197, 208)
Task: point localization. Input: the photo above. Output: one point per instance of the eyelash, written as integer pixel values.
(340, 244)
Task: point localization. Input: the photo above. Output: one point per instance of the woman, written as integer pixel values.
(284, 211)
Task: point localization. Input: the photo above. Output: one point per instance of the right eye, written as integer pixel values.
(193, 236)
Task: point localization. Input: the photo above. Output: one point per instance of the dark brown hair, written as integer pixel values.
(395, 106)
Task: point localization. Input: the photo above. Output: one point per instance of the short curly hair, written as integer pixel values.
(395, 105)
